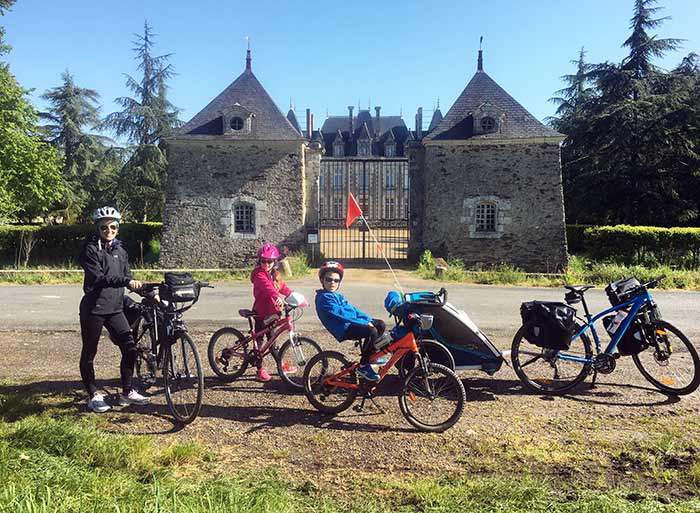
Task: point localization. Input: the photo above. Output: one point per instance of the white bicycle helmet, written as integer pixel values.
(106, 213)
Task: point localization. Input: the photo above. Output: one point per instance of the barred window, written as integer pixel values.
(363, 201)
(338, 179)
(338, 210)
(486, 217)
(389, 208)
(390, 179)
(244, 218)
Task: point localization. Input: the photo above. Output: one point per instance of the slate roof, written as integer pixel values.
(518, 122)
(246, 90)
(435, 121)
(292, 118)
(392, 129)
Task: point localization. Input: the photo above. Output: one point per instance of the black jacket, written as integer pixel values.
(106, 274)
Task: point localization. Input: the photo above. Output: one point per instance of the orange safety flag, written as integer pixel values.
(354, 211)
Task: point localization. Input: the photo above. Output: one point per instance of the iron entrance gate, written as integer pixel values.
(381, 187)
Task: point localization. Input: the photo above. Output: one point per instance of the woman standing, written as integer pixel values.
(106, 266)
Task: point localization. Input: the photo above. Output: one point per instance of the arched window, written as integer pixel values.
(488, 124)
(485, 217)
(244, 218)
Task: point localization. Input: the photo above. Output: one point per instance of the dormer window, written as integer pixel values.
(238, 120)
(390, 150)
(237, 123)
(338, 149)
(364, 148)
(488, 125)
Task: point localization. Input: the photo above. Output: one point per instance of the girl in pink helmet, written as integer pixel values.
(269, 292)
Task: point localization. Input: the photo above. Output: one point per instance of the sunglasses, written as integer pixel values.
(267, 261)
(105, 227)
(331, 280)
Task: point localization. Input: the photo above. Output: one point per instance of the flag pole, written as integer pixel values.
(381, 250)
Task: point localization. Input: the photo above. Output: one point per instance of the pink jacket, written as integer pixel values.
(265, 292)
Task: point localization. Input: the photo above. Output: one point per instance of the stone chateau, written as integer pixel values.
(483, 183)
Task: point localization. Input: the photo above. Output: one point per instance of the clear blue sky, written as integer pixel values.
(327, 55)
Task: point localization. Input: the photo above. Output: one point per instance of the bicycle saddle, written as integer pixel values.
(247, 313)
(579, 289)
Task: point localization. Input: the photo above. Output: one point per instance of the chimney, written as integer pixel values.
(419, 123)
(376, 123)
(350, 107)
(309, 128)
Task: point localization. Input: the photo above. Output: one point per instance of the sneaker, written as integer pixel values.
(97, 404)
(288, 368)
(367, 372)
(133, 398)
(263, 375)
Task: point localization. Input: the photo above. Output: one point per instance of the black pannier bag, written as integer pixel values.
(633, 341)
(179, 288)
(548, 325)
(622, 290)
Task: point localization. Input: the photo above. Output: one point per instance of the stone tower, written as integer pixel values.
(239, 174)
(486, 184)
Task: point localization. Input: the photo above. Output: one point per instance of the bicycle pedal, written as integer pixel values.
(358, 408)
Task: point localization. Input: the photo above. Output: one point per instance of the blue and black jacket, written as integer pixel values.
(336, 314)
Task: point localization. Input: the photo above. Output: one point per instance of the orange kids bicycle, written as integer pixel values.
(230, 352)
(431, 399)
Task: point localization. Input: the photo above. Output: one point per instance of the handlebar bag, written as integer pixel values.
(179, 287)
(622, 290)
(548, 325)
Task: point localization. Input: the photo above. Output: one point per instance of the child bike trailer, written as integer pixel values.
(470, 348)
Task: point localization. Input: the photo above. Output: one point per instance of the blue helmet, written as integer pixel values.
(392, 301)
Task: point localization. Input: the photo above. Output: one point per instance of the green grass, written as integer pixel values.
(53, 459)
(580, 271)
(298, 261)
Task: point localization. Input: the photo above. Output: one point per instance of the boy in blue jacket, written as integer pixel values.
(343, 320)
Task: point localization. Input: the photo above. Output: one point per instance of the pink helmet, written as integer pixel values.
(268, 252)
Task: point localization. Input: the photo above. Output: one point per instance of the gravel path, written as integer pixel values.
(252, 423)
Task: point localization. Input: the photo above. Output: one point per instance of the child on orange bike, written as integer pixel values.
(343, 320)
(269, 292)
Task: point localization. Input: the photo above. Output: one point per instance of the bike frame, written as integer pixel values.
(399, 348)
(280, 326)
(635, 305)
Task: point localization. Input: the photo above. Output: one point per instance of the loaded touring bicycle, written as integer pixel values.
(552, 351)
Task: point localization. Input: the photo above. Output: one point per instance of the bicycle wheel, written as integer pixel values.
(543, 370)
(434, 402)
(329, 398)
(671, 362)
(292, 359)
(184, 379)
(228, 353)
(431, 349)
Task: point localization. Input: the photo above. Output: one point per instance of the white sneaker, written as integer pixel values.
(133, 398)
(97, 403)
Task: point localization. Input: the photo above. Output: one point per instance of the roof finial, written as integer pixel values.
(480, 63)
(438, 103)
(247, 55)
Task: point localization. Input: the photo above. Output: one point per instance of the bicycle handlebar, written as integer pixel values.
(653, 283)
(442, 293)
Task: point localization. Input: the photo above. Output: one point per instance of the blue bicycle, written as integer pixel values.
(552, 352)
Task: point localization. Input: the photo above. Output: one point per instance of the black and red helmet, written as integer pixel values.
(330, 267)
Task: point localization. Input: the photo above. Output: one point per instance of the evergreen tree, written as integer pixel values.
(72, 112)
(144, 120)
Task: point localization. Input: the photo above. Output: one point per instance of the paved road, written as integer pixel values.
(494, 309)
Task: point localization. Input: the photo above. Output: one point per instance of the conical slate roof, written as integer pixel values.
(435, 121)
(248, 92)
(482, 89)
(292, 118)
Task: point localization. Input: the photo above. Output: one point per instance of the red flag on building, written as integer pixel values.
(354, 211)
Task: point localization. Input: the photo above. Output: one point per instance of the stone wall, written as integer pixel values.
(523, 182)
(208, 179)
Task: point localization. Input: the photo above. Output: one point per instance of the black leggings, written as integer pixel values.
(368, 334)
(120, 333)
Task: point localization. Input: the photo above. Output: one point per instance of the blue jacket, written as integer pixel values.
(336, 314)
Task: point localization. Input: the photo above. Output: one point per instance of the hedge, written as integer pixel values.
(644, 245)
(60, 244)
(575, 237)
